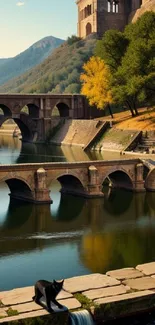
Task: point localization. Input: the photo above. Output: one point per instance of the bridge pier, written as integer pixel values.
(94, 188)
(42, 194)
(139, 185)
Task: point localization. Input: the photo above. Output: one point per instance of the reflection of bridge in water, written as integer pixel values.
(35, 228)
(30, 182)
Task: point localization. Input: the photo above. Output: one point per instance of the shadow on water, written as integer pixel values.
(16, 208)
(112, 197)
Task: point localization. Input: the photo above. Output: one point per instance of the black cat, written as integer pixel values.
(48, 290)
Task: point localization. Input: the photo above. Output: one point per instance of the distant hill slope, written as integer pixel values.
(3, 61)
(59, 73)
(35, 54)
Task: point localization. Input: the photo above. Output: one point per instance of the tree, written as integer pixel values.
(130, 57)
(112, 48)
(96, 82)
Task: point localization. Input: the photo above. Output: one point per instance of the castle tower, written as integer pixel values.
(97, 16)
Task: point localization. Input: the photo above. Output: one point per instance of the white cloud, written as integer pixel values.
(20, 3)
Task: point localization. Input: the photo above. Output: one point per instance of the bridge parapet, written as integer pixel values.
(31, 182)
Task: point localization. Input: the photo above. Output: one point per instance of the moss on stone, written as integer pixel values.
(12, 312)
(86, 303)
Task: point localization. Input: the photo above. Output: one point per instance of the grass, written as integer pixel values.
(144, 121)
(86, 303)
(12, 312)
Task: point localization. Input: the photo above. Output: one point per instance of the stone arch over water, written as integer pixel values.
(118, 178)
(63, 109)
(71, 184)
(19, 188)
(31, 109)
(5, 111)
(150, 181)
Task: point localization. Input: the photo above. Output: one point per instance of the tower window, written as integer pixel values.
(115, 6)
(109, 6)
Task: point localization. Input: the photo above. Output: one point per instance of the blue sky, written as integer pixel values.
(23, 22)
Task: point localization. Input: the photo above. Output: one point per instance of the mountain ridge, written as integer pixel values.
(35, 54)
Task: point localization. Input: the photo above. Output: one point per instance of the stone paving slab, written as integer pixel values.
(106, 292)
(71, 303)
(23, 295)
(17, 296)
(24, 316)
(86, 282)
(24, 308)
(64, 295)
(141, 283)
(126, 273)
(128, 296)
(147, 268)
(3, 312)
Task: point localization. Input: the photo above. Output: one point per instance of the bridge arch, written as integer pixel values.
(31, 109)
(19, 188)
(119, 178)
(5, 110)
(25, 125)
(70, 184)
(63, 109)
(150, 180)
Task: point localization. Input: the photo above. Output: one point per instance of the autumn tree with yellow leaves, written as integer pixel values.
(96, 82)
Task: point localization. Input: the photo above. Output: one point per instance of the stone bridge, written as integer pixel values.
(37, 122)
(31, 182)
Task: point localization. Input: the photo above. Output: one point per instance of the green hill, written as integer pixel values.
(59, 73)
(35, 54)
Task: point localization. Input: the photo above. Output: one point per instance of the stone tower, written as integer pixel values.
(97, 16)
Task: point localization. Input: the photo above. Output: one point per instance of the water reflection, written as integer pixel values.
(75, 236)
(13, 151)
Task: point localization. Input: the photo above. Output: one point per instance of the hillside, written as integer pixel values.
(145, 121)
(35, 54)
(3, 61)
(58, 73)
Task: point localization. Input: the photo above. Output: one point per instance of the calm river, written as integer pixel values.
(72, 236)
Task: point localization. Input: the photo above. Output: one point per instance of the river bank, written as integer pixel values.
(118, 293)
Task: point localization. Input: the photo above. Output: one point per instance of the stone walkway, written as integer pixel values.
(118, 293)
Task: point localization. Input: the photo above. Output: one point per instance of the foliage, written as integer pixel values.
(59, 73)
(131, 60)
(12, 312)
(111, 48)
(96, 85)
(73, 39)
(86, 303)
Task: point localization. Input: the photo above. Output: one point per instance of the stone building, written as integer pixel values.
(97, 16)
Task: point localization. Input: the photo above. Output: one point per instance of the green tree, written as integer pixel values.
(131, 60)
